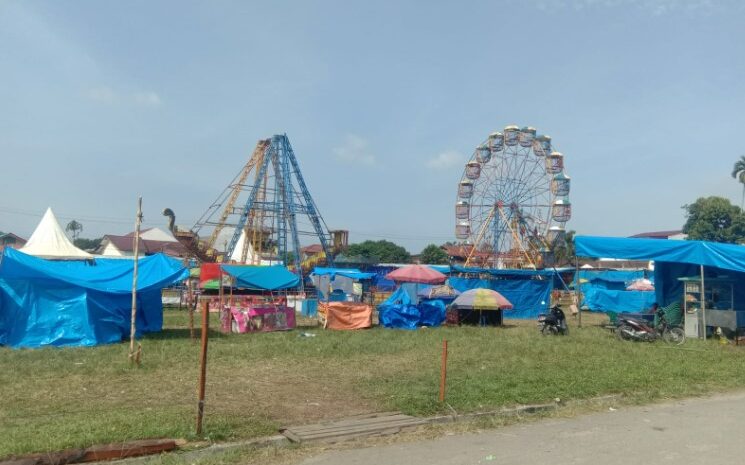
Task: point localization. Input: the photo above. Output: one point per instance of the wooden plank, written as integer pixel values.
(343, 424)
(345, 419)
(359, 429)
(128, 449)
(347, 437)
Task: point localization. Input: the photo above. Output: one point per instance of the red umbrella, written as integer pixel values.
(416, 274)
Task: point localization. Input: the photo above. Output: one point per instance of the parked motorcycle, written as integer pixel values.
(633, 329)
(554, 323)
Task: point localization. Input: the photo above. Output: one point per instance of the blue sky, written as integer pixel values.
(383, 101)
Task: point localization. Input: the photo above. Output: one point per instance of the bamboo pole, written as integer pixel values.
(133, 325)
(443, 369)
(203, 365)
(576, 291)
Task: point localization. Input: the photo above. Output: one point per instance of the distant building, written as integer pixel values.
(310, 250)
(11, 240)
(675, 234)
(152, 241)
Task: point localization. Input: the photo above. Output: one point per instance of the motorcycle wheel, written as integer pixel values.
(566, 331)
(675, 336)
(549, 330)
(622, 332)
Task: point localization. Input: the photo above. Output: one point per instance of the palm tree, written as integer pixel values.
(738, 172)
(74, 228)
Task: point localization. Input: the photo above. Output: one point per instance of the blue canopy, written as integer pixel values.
(352, 273)
(503, 272)
(79, 303)
(269, 278)
(725, 256)
(101, 274)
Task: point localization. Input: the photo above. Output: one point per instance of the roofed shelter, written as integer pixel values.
(676, 259)
(50, 241)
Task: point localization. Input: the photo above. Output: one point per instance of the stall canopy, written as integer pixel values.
(270, 278)
(673, 260)
(351, 273)
(50, 241)
(725, 256)
(417, 274)
(79, 303)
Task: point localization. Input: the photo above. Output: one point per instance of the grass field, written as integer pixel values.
(58, 398)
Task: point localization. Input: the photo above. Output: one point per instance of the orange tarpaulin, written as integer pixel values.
(346, 315)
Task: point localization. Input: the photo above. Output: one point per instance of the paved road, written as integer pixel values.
(695, 431)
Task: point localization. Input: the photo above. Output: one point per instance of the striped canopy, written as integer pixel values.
(482, 299)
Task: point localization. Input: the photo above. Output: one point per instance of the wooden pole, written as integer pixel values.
(443, 369)
(703, 302)
(576, 291)
(133, 326)
(203, 365)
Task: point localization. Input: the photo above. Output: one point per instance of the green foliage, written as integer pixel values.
(738, 170)
(433, 255)
(382, 251)
(74, 228)
(714, 219)
(564, 250)
(87, 244)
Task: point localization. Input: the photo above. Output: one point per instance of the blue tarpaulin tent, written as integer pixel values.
(529, 297)
(399, 311)
(79, 303)
(269, 278)
(605, 291)
(673, 259)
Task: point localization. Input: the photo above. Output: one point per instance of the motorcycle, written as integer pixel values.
(554, 323)
(633, 329)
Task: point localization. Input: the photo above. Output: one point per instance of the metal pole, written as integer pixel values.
(203, 365)
(703, 302)
(443, 369)
(133, 326)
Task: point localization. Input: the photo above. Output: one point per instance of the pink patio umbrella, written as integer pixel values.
(416, 274)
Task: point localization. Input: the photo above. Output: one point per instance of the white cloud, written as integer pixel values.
(149, 99)
(445, 160)
(108, 96)
(355, 149)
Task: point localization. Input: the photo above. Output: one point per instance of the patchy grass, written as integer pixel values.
(59, 398)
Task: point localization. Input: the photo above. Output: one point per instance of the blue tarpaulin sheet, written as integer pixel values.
(724, 256)
(606, 300)
(529, 297)
(268, 278)
(352, 273)
(399, 311)
(79, 303)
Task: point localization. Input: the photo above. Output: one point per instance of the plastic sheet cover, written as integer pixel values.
(606, 300)
(529, 297)
(45, 303)
(269, 278)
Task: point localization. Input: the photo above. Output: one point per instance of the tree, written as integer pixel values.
(88, 244)
(74, 228)
(738, 172)
(433, 255)
(382, 251)
(564, 250)
(714, 219)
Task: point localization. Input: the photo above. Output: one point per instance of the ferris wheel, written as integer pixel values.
(512, 203)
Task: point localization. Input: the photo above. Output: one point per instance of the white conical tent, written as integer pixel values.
(50, 241)
(250, 254)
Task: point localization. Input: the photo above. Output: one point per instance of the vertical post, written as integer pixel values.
(133, 326)
(576, 291)
(443, 369)
(703, 302)
(203, 365)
